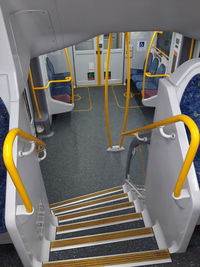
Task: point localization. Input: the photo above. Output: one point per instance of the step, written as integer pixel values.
(86, 197)
(91, 203)
(103, 229)
(101, 239)
(92, 212)
(99, 222)
(129, 259)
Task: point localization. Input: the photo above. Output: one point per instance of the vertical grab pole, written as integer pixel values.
(71, 72)
(98, 51)
(106, 92)
(128, 90)
(146, 61)
(191, 49)
(34, 96)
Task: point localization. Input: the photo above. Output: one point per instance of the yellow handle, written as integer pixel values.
(10, 165)
(148, 74)
(194, 144)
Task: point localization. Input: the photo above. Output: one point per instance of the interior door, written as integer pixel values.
(85, 62)
(116, 58)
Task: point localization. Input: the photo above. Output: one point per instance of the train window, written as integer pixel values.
(25, 97)
(164, 42)
(116, 40)
(86, 45)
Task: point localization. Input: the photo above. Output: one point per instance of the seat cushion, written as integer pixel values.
(148, 86)
(190, 106)
(59, 90)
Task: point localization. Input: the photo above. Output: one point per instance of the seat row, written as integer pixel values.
(151, 83)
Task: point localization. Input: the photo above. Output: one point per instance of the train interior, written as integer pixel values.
(99, 145)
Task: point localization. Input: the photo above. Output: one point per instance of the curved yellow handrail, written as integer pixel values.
(106, 92)
(128, 90)
(71, 72)
(194, 144)
(147, 58)
(148, 74)
(10, 165)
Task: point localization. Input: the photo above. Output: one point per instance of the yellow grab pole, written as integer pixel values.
(127, 38)
(191, 49)
(98, 50)
(10, 165)
(146, 60)
(71, 72)
(106, 92)
(194, 144)
(34, 96)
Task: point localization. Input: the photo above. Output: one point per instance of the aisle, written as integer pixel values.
(77, 161)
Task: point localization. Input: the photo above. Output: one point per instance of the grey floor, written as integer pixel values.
(78, 162)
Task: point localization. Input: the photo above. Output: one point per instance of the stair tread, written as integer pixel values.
(97, 222)
(82, 198)
(102, 237)
(91, 212)
(89, 203)
(129, 258)
(123, 226)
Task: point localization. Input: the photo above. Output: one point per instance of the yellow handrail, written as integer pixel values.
(34, 96)
(148, 74)
(67, 79)
(191, 49)
(146, 60)
(106, 92)
(71, 72)
(10, 165)
(161, 52)
(98, 50)
(194, 144)
(128, 90)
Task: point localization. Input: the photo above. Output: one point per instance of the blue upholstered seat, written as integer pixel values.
(152, 69)
(136, 71)
(152, 83)
(57, 89)
(4, 127)
(190, 106)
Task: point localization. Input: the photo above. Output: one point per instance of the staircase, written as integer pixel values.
(103, 229)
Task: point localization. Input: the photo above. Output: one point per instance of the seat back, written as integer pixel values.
(150, 59)
(4, 127)
(154, 66)
(50, 69)
(160, 70)
(189, 106)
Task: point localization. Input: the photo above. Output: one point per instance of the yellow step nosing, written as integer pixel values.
(90, 203)
(105, 237)
(98, 222)
(85, 197)
(95, 212)
(112, 260)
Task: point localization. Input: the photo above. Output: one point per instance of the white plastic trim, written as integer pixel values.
(144, 139)
(44, 156)
(26, 153)
(182, 200)
(115, 149)
(167, 136)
